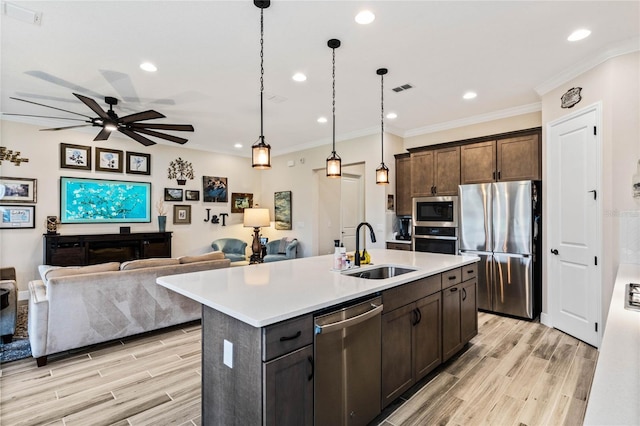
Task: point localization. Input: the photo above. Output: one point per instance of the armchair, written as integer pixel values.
(275, 253)
(233, 248)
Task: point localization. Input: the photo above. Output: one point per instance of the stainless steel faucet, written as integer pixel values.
(373, 240)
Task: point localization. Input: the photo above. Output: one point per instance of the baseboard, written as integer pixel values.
(545, 319)
(23, 295)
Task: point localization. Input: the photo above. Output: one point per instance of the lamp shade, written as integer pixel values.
(256, 218)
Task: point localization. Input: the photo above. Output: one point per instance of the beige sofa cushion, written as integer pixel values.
(148, 263)
(80, 270)
(214, 255)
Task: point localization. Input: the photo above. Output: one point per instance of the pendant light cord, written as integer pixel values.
(334, 99)
(382, 116)
(261, 69)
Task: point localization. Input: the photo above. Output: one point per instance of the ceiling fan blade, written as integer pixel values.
(67, 127)
(103, 135)
(47, 106)
(171, 138)
(144, 141)
(176, 127)
(45, 116)
(140, 116)
(93, 105)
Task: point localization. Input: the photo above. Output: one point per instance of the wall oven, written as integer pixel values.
(435, 211)
(435, 239)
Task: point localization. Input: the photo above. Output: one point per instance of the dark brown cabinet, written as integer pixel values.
(435, 172)
(422, 173)
(403, 185)
(79, 250)
(508, 159)
(399, 246)
(459, 309)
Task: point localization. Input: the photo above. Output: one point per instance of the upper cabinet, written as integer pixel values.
(403, 185)
(435, 172)
(516, 158)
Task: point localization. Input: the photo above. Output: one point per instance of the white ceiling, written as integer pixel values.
(207, 54)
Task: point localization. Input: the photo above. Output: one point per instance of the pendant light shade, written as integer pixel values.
(382, 172)
(261, 151)
(334, 163)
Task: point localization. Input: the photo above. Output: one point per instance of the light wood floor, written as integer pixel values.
(513, 372)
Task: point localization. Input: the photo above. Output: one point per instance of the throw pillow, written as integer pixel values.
(214, 255)
(75, 270)
(282, 249)
(147, 263)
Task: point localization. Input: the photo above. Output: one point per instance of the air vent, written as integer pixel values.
(274, 98)
(403, 87)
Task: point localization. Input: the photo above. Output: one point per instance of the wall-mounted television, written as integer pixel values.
(104, 201)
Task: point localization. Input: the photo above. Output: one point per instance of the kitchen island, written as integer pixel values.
(258, 326)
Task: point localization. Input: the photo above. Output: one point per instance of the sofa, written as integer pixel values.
(233, 248)
(73, 307)
(282, 249)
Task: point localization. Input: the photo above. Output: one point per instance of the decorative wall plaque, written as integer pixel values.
(571, 97)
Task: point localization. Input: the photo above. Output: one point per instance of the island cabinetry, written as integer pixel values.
(411, 339)
(403, 185)
(459, 309)
(435, 172)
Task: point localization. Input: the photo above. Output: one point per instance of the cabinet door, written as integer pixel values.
(422, 174)
(468, 310)
(403, 186)
(478, 162)
(288, 392)
(427, 342)
(519, 158)
(446, 171)
(397, 374)
(451, 337)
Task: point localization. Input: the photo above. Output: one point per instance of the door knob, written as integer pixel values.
(554, 251)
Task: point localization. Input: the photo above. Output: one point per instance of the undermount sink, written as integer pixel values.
(379, 272)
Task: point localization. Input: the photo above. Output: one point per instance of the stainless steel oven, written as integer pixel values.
(435, 239)
(435, 211)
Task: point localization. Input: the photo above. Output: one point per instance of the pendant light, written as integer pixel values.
(260, 150)
(382, 172)
(334, 163)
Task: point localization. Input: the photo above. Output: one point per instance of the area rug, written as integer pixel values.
(19, 348)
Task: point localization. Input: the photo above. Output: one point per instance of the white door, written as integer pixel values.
(352, 208)
(573, 188)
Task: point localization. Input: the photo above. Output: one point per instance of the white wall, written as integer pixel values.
(22, 248)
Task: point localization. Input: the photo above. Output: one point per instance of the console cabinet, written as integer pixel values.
(80, 250)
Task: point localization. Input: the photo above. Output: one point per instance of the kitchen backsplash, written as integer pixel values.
(630, 237)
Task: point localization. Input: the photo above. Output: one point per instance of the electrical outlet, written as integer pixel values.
(227, 357)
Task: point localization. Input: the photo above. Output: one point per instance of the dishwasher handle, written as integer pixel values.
(341, 325)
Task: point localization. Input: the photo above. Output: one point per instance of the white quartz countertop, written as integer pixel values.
(266, 293)
(615, 392)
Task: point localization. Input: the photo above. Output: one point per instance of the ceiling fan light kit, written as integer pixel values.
(260, 150)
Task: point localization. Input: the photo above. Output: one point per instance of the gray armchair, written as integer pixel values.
(233, 248)
(275, 252)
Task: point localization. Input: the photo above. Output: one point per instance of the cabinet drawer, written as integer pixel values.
(451, 277)
(286, 336)
(469, 271)
(399, 246)
(408, 293)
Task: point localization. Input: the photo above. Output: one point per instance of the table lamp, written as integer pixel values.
(256, 218)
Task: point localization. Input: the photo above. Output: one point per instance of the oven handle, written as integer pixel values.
(433, 237)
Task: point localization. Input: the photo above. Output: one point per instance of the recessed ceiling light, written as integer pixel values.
(299, 76)
(392, 115)
(148, 66)
(238, 145)
(469, 95)
(365, 17)
(579, 34)
(322, 120)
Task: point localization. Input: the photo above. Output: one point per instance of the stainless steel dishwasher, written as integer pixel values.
(347, 364)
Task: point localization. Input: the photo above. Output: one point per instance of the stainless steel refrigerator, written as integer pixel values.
(499, 222)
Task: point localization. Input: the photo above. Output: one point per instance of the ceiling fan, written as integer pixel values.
(129, 125)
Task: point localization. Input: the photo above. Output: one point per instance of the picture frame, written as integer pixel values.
(173, 194)
(282, 209)
(214, 189)
(17, 217)
(108, 160)
(138, 163)
(17, 190)
(84, 200)
(390, 202)
(182, 214)
(76, 157)
(240, 201)
(191, 195)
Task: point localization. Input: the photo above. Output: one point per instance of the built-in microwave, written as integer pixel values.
(435, 211)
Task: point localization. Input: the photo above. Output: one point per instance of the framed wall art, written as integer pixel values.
(75, 157)
(190, 195)
(181, 214)
(104, 201)
(282, 208)
(214, 189)
(17, 190)
(173, 194)
(17, 217)
(108, 160)
(240, 201)
(138, 163)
